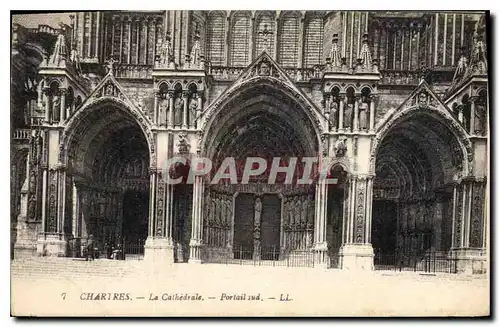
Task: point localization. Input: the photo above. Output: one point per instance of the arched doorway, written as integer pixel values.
(107, 180)
(260, 219)
(417, 162)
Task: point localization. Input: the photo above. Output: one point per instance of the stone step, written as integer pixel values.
(63, 267)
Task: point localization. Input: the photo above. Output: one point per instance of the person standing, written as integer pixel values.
(90, 248)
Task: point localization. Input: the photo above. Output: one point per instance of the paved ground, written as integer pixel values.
(70, 287)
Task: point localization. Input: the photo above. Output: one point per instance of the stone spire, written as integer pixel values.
(166, 57)
(58, 57)
(196, 53)
(75, 58)
(110, 66)
(365, 55)
(462, 67)
(478, 58)
(334, 54)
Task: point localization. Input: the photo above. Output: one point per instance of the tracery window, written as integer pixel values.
(240, 39)
(313, 41)
(216, 32)
(264, 33)
(288, 50)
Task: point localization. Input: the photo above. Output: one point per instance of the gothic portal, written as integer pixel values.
(393, 105)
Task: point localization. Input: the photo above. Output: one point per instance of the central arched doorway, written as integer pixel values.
(258, 219)
(417, 161)
(107, 191)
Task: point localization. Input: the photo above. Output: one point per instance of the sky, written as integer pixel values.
(33, 20)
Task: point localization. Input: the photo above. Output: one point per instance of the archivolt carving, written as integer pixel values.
(74, 125)
(225, 101)
(455, 127)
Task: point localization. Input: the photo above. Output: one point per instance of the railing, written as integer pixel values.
(399, 77)
(21, 134)
(429, 262)
(272, 256)
(122, 249)
(231, 73)
(134, 71)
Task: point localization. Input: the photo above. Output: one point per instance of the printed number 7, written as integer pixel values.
(63, 296)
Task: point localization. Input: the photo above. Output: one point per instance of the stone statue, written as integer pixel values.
(166, 55)
(256, 230)
(479, 116)
(258, 211)
(304, 211)
(178, 108)
(298, 76)
(332, 119)
(340, 147)
(56, 106)
(348, 112)
(264, 69)
(163, 110)
(363, 113)
(193, 109)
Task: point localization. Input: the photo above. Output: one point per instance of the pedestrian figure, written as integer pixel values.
(90, 249)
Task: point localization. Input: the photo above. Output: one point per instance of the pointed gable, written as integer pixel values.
(265, 67)
(108, 87)
(423, 96)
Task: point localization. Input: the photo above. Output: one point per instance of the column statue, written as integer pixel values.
(163, 110)
(332, 119)
(178, 107)
(348, 112)
(256, 235)
(193, 110)
(363, 113)
(55, 107)
(479, 117)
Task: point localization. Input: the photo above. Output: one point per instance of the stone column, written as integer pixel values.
(320, 246)
(196, 242)
(468, 225)
(52, 241)
(159, 247)
(355, 126)
(62, 111)
(341, 112)
(357, 252)
(185, 96)
(199, 109)
(170, 109)
(472, 115)
(155, 108)
(47, 104)
(372, 112)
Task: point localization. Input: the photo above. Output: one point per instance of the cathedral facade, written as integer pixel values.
(395, 104)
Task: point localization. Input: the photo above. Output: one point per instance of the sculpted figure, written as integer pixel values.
(193, 109)
(348, 112)
(163, 110)
(56, 106)
(363, 113)
(264, 69)
(258, 211)
(479, 117)
(178, 107)
(340, 147)
(332, 119)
